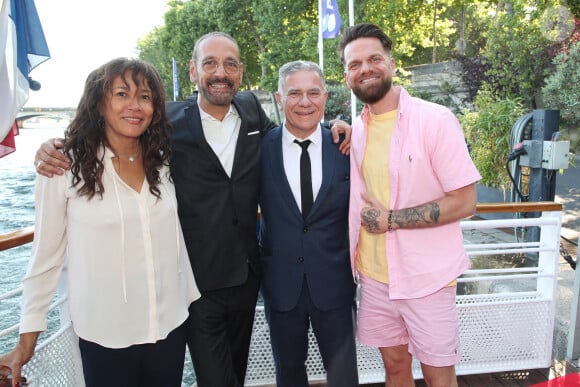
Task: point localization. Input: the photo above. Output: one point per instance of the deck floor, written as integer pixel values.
(523, 378)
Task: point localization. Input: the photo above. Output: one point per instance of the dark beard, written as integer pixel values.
(373, 93)
(224, 99)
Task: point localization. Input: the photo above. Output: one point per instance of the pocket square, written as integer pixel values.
(252, 133)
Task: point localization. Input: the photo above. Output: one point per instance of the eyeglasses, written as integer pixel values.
(210, 66)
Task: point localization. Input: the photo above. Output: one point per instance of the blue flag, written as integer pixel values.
(331, 21)
(175, 80)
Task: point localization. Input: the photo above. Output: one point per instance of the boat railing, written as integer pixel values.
(506, 306)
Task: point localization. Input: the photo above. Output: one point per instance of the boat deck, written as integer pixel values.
(507, 331)
(522, 378)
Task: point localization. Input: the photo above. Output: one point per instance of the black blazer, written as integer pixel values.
(292, 248)
(218, 213)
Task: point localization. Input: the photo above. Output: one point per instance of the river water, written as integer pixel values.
(17, 176)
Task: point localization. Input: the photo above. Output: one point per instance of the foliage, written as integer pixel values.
(415, 45)
(184, 24)
(518, 50)
(562, 90)
(473, 74)
(290, 32)
(338, 102)
(487, 131)
(505, 47)
(271, 33)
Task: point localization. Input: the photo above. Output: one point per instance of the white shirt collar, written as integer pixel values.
(288, 138)
(206, 116)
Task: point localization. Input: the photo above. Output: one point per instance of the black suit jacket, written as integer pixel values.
(292, 248)
(218, 212)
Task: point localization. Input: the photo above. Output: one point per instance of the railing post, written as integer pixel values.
(542, 181)
(573, 347)
(548, 260)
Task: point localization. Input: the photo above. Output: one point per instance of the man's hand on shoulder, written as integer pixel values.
(338, 127)
(49, 160)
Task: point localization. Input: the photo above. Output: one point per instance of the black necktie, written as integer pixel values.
(305, 178)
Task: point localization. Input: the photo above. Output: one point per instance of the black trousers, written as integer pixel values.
(335, 333)
(140, 365)
(219, 333)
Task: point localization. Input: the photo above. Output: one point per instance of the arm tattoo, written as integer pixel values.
(418, 217)
(370, 219)
(435, 212)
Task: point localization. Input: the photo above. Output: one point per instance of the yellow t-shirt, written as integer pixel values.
(371, 258)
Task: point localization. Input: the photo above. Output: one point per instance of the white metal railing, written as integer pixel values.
(56, 361)
(506, 315)
(502, 328)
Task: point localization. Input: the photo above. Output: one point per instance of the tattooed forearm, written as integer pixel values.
(417, 217)
(375, 220)
(370, 219)
(435, 212)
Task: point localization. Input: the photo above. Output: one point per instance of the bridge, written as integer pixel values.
(55, 114)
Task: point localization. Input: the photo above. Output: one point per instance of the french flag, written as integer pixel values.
(22, 48)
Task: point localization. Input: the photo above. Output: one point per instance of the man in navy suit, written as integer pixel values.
(306, 274)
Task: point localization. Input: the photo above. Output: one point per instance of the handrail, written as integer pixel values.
(487, 300)
(16, 238)
(26, 235)
(485, 208)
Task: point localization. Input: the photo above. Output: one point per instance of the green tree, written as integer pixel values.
(487, 131)
(562, 92)
(277, 31)
(184, 23)
(515, 49)
(518, 50)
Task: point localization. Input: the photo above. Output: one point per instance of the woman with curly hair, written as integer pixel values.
(111, 221)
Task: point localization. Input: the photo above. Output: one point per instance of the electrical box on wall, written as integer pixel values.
(556, 154)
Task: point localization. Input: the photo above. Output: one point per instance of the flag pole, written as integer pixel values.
(352, 96)
(175, 79)
(320, 40)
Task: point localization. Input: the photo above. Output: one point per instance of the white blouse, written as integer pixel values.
(129, 276)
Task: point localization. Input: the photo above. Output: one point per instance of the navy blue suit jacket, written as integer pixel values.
(292, 248)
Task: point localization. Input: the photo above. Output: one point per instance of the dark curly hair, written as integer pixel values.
(85, 135)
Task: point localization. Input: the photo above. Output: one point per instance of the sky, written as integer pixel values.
(81, 36)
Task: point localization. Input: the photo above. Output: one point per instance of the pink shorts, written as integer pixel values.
(429, 325)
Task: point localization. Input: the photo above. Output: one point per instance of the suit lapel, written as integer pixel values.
(276, 169)
(242, 135)
(329, 162)
(193, 118)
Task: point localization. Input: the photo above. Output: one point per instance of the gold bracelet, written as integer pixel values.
(390, 221)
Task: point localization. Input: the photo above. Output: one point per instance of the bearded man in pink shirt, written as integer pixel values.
(412, 181)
